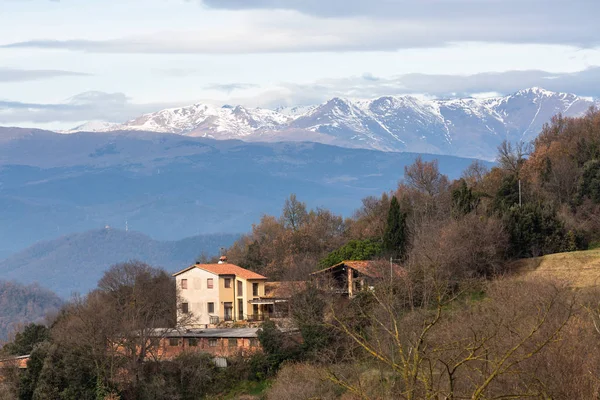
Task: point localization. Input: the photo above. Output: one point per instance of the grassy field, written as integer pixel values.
(579, 269)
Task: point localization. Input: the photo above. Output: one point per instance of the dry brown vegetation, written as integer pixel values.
(526, 339)
(467, 321)
(579, 269)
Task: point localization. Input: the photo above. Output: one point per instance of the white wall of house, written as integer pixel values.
(198, 295)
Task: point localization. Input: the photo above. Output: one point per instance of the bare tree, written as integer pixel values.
(485, 351)
(119, 326)
(511, 157)
(475, 173)
(294, 213)
(425, 177)
(370, 219)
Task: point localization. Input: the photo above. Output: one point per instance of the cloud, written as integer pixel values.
(21, 75)
(583, 83)
(112, 107)
(438, 9)
(117, 107)
(533, 21)
(423, 24)
(230, 87)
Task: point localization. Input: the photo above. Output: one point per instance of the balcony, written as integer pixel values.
(266, 316)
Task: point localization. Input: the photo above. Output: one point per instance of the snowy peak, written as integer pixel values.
(471, 127)
(206, 120)
(93, 126)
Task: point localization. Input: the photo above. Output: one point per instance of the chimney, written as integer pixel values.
(223, 260)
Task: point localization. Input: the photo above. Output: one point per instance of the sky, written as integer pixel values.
(65, 62)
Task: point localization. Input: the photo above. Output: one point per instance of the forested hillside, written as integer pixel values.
(542, 198)
(20, 305)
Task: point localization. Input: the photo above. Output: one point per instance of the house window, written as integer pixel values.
(211, 308)
(212, 342)
(254, 342)
(173, 342)
(185, 308)
(240, 309)
(228, 307)
(255, 289)
(184, 283)
(209, 283)
(227, 283)
(240, 288)
(193, 342)
(232, 342)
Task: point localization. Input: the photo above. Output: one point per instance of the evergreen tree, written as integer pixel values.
(589, 183)
(535, 230)
(25, 341)
(507, 195)
(396, 235)
(463, 200)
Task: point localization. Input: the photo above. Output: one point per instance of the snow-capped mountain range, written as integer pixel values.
(469, 127)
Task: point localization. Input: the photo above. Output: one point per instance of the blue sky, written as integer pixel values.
(69, 61)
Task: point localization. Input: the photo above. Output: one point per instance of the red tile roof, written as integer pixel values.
(225, 269)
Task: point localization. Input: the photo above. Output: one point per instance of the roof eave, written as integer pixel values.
(184, 270)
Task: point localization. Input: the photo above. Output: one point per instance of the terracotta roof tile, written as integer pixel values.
(225, 269)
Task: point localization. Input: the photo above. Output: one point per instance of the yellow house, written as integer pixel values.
(219, 292)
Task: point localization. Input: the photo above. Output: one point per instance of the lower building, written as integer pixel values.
(216, 342)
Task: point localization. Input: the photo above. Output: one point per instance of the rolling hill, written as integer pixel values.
(75, 262)
(23, 304)
(579, 269)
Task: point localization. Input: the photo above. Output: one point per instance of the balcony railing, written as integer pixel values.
(265, 316)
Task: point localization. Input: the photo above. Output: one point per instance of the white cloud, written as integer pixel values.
(117, 107)
(290, 31)
(112, 107)
(21, 75)
(277, 52)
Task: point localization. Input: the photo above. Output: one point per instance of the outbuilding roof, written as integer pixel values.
(375, 269)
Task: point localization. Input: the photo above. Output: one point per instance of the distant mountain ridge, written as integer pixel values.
(172, 186)
(467, 127)
(75, 262)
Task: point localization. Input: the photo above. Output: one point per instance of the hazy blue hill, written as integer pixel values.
(22, 304)
(75, 263)
(171, 187)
